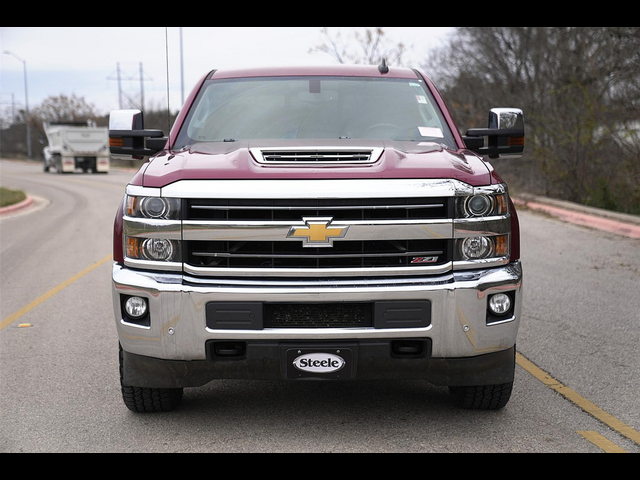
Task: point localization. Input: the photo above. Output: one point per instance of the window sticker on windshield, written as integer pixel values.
(431, 132)
(422, 99)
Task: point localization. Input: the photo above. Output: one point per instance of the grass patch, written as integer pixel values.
(11, 197)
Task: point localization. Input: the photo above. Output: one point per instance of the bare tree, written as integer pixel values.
(367, 47)
(65, 109)
(579, 89)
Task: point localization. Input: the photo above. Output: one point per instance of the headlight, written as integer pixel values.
(483, 205)
(482, 248)
(158, 250)
(479, 205)
(156, 208)
(482, 228)
(475, 248)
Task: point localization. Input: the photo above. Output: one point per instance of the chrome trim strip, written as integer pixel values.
(135, 191)
(147, 228)
(502, 322)
(319, 333)
(279, 231)
(476, 264)
(148, 265)
(169, 282)
(498, 189)
(320, 189)
(316, 272)
(486, 226)
(133, 325)
(302, 284)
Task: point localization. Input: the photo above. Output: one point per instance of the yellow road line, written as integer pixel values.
(21, 313)
(604, 444)
(579, 400)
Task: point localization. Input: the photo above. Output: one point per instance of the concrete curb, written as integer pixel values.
(19, 207)
(603, 220)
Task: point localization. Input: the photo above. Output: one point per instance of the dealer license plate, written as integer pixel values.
(319, 363)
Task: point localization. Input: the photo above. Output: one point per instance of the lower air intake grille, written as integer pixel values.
(339, 315)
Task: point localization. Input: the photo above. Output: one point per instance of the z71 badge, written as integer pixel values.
(424, 260)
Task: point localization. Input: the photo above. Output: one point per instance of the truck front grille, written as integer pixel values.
(338, 209)
(292, 255)
(365, 236)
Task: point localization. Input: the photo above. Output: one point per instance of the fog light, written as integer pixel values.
(500, 304)
(136, 307)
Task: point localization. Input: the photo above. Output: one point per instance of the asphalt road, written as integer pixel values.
(59, 383)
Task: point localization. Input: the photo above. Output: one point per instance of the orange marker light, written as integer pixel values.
(502, 246)
(133, 248)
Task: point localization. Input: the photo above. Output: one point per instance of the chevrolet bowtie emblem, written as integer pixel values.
(318, 232)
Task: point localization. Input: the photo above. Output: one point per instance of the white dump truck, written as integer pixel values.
(73, 146)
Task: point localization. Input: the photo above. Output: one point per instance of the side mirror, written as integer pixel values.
(128, 138)
(506, 134)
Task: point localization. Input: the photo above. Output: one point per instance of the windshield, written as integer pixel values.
(307, 108)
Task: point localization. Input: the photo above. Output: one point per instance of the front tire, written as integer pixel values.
(149, 400)
(487, 398)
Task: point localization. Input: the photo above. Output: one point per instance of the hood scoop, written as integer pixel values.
(317, 156)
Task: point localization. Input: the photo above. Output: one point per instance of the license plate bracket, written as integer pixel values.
(320, 363)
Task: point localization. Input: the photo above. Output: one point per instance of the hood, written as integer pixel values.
(234, 161)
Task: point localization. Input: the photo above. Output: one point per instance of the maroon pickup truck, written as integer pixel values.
(317, 224)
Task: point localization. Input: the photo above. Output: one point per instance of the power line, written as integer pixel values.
(120, 76)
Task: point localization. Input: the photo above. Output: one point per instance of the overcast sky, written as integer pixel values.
(82, 61)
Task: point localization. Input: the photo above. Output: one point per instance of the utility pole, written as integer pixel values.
(119, 87)
(141, 87)
(119, 77)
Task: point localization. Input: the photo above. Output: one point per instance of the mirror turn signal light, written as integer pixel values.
(516, 141)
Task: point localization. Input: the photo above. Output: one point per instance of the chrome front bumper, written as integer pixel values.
(178, 328)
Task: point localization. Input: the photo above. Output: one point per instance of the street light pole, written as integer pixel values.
(26, 96)
(181, 66)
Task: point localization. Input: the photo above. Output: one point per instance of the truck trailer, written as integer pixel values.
(74, 146)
